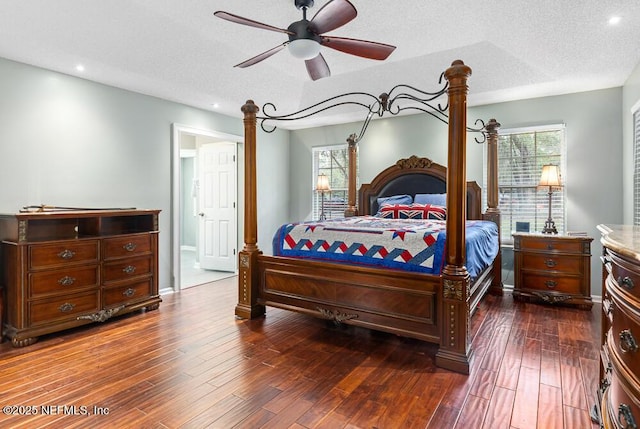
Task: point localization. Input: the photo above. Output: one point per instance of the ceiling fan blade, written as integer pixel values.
(262, 56)
(332, 15)
(246, 21)
(360, 48)
(317, 67)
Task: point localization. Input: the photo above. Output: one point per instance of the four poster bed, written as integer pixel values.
(433, 306)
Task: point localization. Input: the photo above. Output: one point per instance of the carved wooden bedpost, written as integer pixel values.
(455, 344)
(248, 306)
(493, 211)
(352, 210)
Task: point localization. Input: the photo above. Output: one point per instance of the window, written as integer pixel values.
(333, 161)
(636, 167)
(521, 155)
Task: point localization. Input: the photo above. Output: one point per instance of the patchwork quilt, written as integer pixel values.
(404, 244)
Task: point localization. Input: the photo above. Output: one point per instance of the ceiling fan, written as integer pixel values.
(306, 37)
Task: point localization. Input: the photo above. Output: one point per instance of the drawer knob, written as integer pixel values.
(66, 307)
(551, 284)
(67, 281)
(627, 341)
(129, 292)
(129, 269)
(549, 246)
(626, 282)
(129, 247)
(625, 417)
(550, 263)
(67, 254)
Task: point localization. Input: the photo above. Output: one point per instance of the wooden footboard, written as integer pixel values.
(401, 303)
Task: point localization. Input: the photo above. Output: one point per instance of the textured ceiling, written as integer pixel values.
(177, 50)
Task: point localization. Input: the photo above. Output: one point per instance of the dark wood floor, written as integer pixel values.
(191, 364)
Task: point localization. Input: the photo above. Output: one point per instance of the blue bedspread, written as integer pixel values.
(404, 244)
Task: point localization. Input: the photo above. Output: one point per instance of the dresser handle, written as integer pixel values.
(549, 246)
(66, 281)
(129, 247)
(66, 307)
(625, 417)
(626, 281)
(627, 341)
(607, 306)
(550, 263)
(551, 284)
(129, 292)
(67, 254)
(129, 269)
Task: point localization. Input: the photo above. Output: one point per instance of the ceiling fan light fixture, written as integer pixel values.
(305, 49)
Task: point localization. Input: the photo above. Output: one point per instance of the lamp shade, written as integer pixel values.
(323, 183)
(550, 176)
(305, 49)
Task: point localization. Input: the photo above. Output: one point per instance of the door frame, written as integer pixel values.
(176, 186)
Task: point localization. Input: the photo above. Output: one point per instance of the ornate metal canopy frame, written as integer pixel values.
(401, 98)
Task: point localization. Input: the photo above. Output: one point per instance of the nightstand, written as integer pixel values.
(553, 268)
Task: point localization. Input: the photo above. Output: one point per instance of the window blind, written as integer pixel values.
(333, 161)
(521, 155)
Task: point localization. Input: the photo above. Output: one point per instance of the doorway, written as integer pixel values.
(205, 205)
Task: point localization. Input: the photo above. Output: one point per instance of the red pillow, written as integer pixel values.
(412, 211)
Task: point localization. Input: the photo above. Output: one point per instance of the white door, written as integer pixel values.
(217, 206)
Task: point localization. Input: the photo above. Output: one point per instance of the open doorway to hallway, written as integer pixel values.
(205, 206)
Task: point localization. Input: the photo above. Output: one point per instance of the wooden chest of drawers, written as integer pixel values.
(67, 268)
(553, 268)
(619, 394)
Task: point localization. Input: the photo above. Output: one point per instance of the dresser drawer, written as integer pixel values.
(67, 307)
(548, 244)
(624, 274)
(131, 292)
(624, 335)
(119, 247)
(62, 280)
(550, 283)
(623, 407)
(564, 264)
(53, 255)
(116, 271)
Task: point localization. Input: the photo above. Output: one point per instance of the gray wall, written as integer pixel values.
(593, 181)
(68, 141)
(189, 225)
(631, 98)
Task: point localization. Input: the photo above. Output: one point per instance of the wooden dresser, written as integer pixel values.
(553, 268)
(619, 393)
(62, 269)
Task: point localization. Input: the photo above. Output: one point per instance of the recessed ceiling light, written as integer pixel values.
(215, 105)
(80, 68)
(614, 20)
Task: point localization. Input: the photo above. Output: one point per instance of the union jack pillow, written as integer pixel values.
(412, 211)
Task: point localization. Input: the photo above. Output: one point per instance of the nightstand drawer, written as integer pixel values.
(550, 262)
(551, 283)
(548, 243)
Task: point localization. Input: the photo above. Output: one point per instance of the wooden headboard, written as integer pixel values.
(413, 176)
